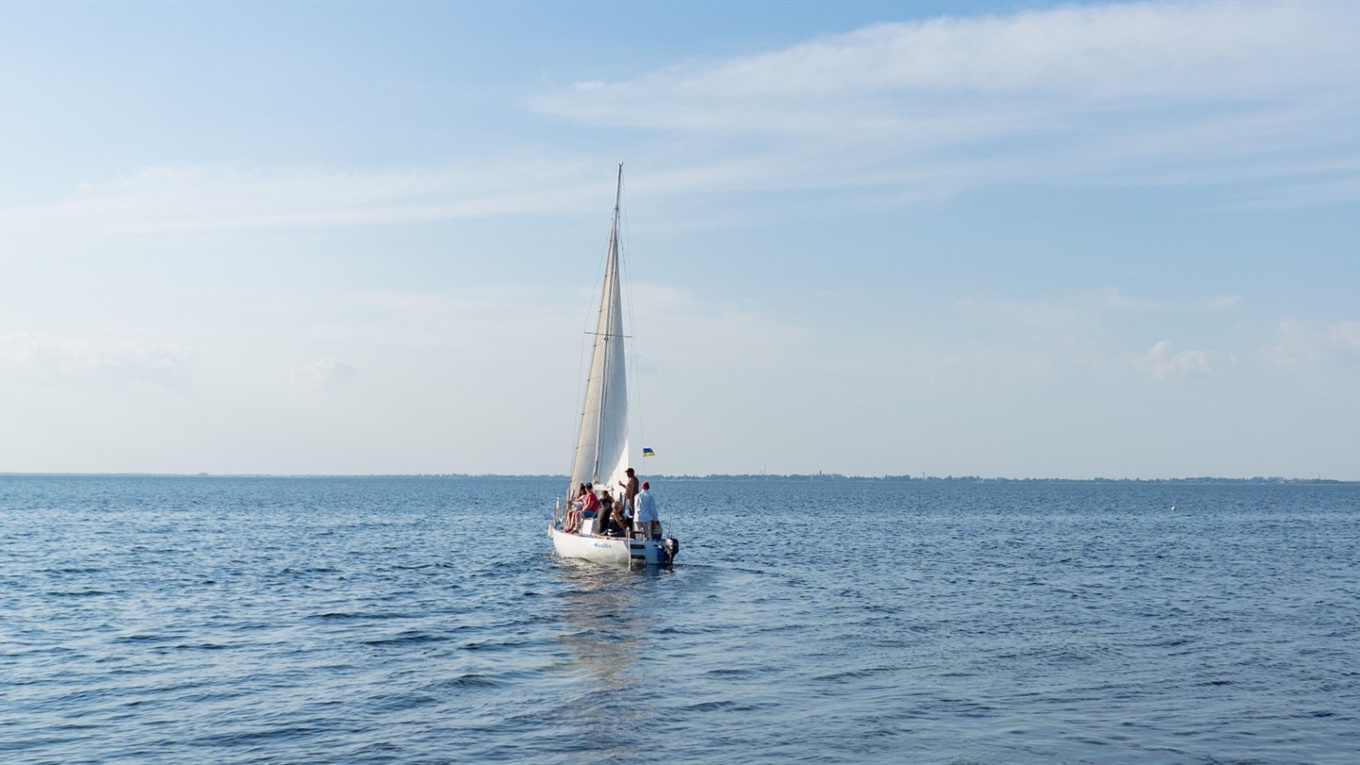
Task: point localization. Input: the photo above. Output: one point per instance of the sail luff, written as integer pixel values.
(604, 338)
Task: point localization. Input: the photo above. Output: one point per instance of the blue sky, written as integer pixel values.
(1008, 239)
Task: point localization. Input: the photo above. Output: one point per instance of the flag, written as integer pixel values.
(647, 452)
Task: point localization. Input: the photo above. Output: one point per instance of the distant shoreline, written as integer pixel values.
(791, 477)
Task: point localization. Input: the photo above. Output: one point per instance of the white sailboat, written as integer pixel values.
(602, 454)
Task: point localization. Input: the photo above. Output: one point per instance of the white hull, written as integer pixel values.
(592, 548)
(611, 550)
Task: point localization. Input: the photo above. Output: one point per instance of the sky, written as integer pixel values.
(1027, 240)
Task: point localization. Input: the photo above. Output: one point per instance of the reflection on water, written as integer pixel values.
(603, 628)
(608, 624)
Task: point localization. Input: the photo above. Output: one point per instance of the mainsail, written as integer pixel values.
(602, 442)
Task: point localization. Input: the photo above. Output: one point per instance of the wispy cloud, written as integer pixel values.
(1115, 52)
(701, 333)
(1257, 98)
(1065, 314)
(172, 199)
(54, 361)
(1300, 343)
(1120, 93)
(326, 375)
(1222, 303)
(1081, 331)
(470, 319)
(1161, 363)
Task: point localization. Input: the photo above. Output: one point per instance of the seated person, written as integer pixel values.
(590, 507)
(608, 510)
(574, 503)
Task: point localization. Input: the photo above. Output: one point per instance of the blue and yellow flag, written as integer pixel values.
(647, 452)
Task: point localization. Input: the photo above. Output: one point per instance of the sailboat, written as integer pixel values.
(602, 456)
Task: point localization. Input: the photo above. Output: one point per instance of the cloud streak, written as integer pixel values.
(185, 199)
(57, 361)
(1259, 98)
(325, 374)
(1161, 363)
(1301, 344)
(1256, 98)
(1121, 93)
(884, 75)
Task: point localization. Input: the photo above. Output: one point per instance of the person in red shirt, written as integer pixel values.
(590, 507)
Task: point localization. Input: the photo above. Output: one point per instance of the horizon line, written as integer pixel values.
(693, 476)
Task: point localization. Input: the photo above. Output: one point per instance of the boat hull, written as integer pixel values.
(613, 550)
(592, 548)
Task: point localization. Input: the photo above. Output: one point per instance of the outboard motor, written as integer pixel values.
(672, 547)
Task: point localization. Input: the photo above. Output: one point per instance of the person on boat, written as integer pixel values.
(623, 517)
(648, 521)
(590, 507)
(630, 492)
(574, 506)
(607, 518)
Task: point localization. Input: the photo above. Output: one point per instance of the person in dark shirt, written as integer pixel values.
(608, 518)
(630, 492)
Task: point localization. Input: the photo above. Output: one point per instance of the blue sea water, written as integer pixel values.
(404, 620)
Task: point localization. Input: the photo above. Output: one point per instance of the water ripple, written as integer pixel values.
(170, 620)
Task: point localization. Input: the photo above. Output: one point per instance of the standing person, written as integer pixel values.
(630, 492)
(647, 520)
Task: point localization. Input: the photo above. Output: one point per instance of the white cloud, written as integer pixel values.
(699, 333)
(1160, 365)
(1257, 96)
(1262, 94)
(325, 374)
(1144, 93)
(1300, 343)
(1074, 312)
(1109, 52)
(1084, 330)
(171, 199)
(47, 360)
(491, 320)
(1345, 335)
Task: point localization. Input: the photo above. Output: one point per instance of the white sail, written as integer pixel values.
(602, 441)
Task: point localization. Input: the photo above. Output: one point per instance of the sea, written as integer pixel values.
(426, 620)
